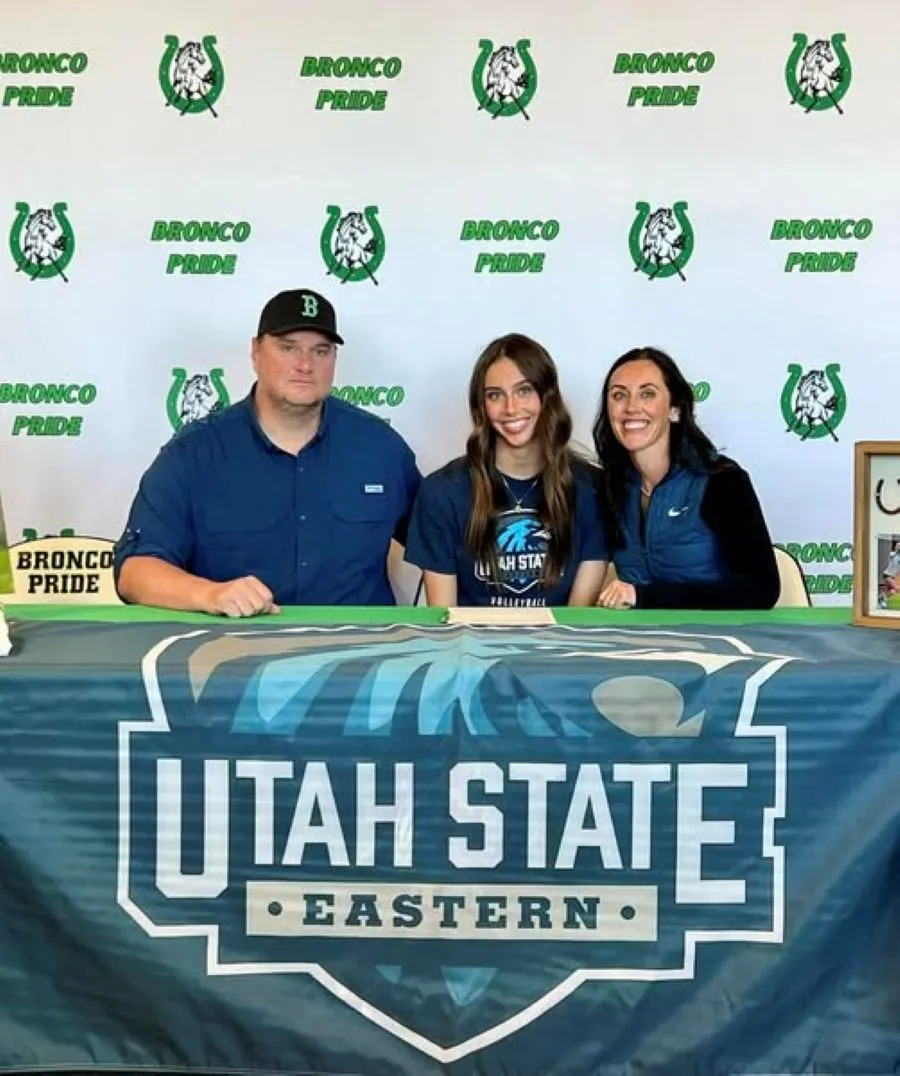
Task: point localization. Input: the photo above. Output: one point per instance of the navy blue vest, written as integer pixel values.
(678, 547)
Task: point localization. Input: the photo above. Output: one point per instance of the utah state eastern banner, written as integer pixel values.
(410, 850)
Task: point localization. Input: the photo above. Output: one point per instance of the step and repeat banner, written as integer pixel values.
(713, 180)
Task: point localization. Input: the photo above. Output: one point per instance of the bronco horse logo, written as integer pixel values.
(191, 75)
(818, 75)
(813, 404)
(352, 245)
(661, 242)
(504, 79)
(195, 397)
(42, 243)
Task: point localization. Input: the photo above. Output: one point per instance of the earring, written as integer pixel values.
(674, 416)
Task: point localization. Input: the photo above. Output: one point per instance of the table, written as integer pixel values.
(363, 841)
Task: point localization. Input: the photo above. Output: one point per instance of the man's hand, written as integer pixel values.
(618, 595)
(240, 597)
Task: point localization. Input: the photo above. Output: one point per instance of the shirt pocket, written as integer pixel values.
(255, 539)
(363, 526)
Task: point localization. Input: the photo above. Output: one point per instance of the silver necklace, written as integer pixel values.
(646, 489)
(518, 505)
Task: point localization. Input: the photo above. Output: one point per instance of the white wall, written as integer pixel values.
(742, 157)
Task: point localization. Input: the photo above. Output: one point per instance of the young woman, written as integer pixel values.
(683, 523)
(515, 522)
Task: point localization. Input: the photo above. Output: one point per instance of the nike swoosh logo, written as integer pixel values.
(673, 512)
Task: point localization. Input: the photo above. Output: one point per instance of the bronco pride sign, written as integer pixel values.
(453, 831)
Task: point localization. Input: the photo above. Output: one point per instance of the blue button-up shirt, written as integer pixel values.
(222, 501)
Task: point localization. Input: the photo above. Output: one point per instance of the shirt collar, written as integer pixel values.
(247, 404)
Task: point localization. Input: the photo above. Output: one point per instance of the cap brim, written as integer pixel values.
(305, 326)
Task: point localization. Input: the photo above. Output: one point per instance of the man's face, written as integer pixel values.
(296, 370)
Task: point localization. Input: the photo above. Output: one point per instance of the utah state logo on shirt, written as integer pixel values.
(522, 541)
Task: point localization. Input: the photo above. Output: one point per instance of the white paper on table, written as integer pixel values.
(5, 641)
(487, 615)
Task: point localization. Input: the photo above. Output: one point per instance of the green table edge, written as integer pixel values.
(408, 614)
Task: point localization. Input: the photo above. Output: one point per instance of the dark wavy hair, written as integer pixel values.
(688, 444)
(553, 430)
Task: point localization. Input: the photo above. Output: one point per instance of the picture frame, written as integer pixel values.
(876, 534)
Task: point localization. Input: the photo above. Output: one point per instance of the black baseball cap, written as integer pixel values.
(291, 311)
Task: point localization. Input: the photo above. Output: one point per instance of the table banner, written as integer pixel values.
(409, 849)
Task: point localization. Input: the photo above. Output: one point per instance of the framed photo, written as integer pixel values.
(876, 534)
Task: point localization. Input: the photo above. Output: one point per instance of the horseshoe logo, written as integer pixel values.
(879, 489)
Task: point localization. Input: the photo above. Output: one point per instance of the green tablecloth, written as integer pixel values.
(405, 614)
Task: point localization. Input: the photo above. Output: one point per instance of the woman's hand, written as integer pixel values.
(618, 595)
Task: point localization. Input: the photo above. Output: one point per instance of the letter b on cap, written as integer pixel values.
(310, 306)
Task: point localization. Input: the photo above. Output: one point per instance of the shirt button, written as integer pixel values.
(303, 519)
(302, 563)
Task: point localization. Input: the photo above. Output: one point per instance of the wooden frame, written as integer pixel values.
(876, 534)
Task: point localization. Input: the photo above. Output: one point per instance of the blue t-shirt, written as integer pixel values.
(222, 501)
(437, 533)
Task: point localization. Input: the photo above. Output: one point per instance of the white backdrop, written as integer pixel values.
(741, 158)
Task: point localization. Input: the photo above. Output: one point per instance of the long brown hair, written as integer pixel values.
(688, 444)
(553, 430)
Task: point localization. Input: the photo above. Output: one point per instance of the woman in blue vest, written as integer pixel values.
(683, 523)
(515, 522)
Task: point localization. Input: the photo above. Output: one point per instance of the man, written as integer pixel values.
(289, 497)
